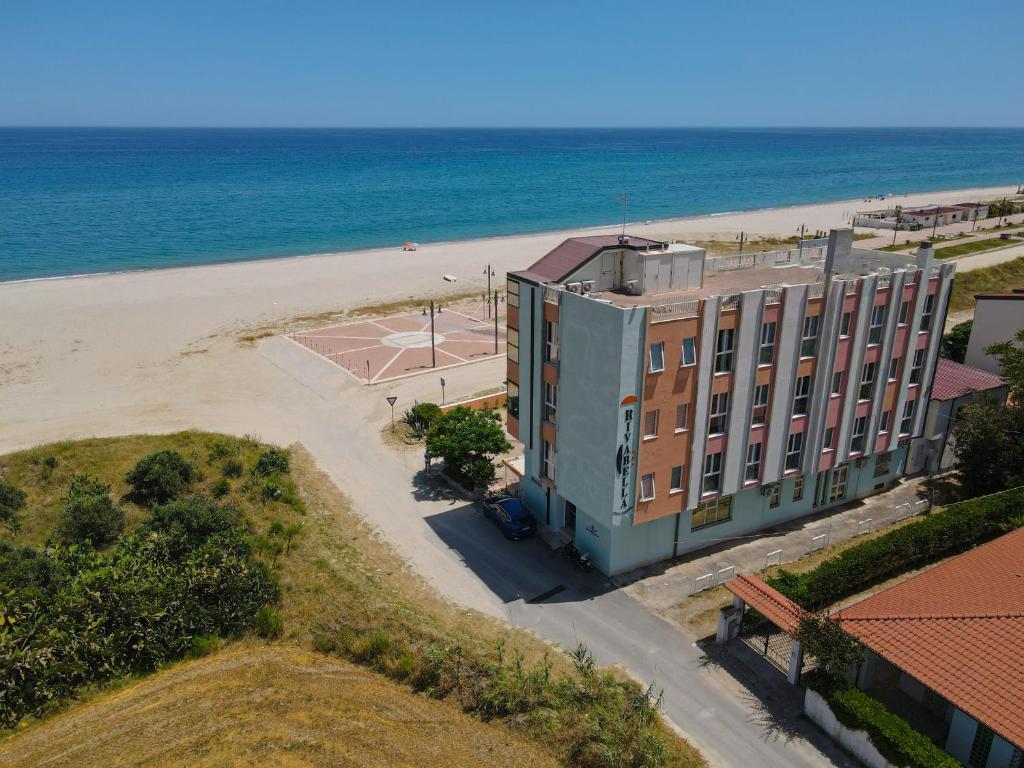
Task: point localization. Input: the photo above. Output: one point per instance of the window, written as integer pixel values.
(837, 490)
(647, 487)
(513, 345)
(723, 351)
(802, 395)
(682, 417)
(550, 401)
(712, 472)
(830, 438)
(793, 449)
(875, 330)
(512, 293)
(894, 368)
(688, 354)
(677, 479)
(904, 312)
(753, 470)
(760, 414)
(915, 369)
(651, 424)
(766, 352)
(867, 381)
(809, 341)
(980, 748)
(798, 488)
(548, 468)
(857, 441)
(775, 496)
(657, 357)
(513, 400)
(907, 423)
(550, 341)
(844, 324)
(719, 414)
(883, 425)
(837, 383)
(713, 511)
(926, 313)
(883, 464)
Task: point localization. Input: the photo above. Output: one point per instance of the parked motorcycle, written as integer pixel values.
(582, 560)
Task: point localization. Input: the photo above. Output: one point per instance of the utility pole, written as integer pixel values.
(742, 238)
(624, 197)
(433, 354)
(495, 322)
(490, 273)
(800, 246)
(899, 219)
(935, 223)
(975, 225)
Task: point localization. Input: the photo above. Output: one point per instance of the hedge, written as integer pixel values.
(954, 529)
(893, 736)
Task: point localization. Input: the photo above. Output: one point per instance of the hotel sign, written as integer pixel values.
(624, 456)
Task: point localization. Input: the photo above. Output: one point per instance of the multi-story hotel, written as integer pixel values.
(668, 400)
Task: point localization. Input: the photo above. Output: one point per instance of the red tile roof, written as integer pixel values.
(930, 211)
(574, 253)
(958, 628)
(768, 601)
(956, 380)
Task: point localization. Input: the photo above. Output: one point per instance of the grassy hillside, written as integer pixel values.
(267, 705)
(346, 596)
(1001, 277)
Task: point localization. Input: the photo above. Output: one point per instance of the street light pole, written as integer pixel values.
(495, 322)
(490, 273)
(433, 355)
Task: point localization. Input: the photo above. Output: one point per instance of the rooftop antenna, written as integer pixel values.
(624, 197)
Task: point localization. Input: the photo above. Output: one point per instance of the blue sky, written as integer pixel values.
(524, 63)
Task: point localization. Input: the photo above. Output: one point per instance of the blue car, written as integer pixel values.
(510, 516)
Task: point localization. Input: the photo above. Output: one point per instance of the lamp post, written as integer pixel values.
(490, 273)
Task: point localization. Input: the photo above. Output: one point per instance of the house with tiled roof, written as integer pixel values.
(954, 386)
(945, 650)
(997, 317)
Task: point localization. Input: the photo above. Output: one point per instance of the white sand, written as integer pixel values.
(158, 350)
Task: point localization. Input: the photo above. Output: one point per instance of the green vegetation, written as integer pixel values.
(89, 514)
(949, 531)
(893, 736)
(343, 592)
(468, 440)
(159, 477)
(12, 501)
(1000, 277)
(421, 417)
(833, 649)
(954, 343)
(971, 246)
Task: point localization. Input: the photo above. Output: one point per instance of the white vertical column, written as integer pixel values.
(741, 399)
(858, 344)
(705, 380)
(828, 341)
(934, 341)
(787, 358)
(885, 354)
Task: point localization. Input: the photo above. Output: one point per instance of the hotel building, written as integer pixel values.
(668, 400)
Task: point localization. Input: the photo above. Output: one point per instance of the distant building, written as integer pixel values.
(668, 400)
(974, 210)
(939, 215)
(945, 651)
(997, 318)
(954, 386)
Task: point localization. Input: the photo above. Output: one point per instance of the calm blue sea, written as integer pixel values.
(95, 200)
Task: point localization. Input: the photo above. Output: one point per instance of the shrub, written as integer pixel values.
(190, 521)
(159, 477)
(221, 488)
(222, 449)
(271, 491)
(370, 647)
(893, 736)
(421, 417)
(467, 440)
(12, 501)
(268, 623)
(955, 529)
(89, 514)
(271, 462)
(232, 468)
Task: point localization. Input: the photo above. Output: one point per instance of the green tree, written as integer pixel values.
(159, 477)
(831, 646)
(89, 514)
(468, 440)
(989, 447)
(954, 343)
(271, 462)
(1010, 355)
(12, 501)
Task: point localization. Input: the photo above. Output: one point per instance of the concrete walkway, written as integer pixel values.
(666, 584)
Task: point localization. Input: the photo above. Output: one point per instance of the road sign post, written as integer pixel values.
(443, 383)
(391, 401)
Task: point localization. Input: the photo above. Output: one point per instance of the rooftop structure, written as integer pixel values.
(953, 380)
(728, 393)
(997, 317)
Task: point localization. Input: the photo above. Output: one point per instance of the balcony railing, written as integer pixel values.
(675, 310)
(551, 294)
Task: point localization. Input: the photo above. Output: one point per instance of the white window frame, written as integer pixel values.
(548, 461)
(512, 344)
(917, 366)
(719, 410)
(926, 312)
(809, 339)
(829, 439)
(796, 438)
(660, 346)
(860, 422)
(647, 484)
(837, 488)
(904, 316)
(723, 353)
(894, 368)
(551, 338)
(867, 379)
(876, 325)
(676, 485)
(767, 343)
(798, 488)
(883, 424)
(550, 402)
(712, 471)
(711, 511)
(837, 383)
(775, 496)
(688, 352)
(752, 468)
(682, 417)
(802, 395)
(757, 419)
(845, 321)
(654, 414)
(908, 417)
